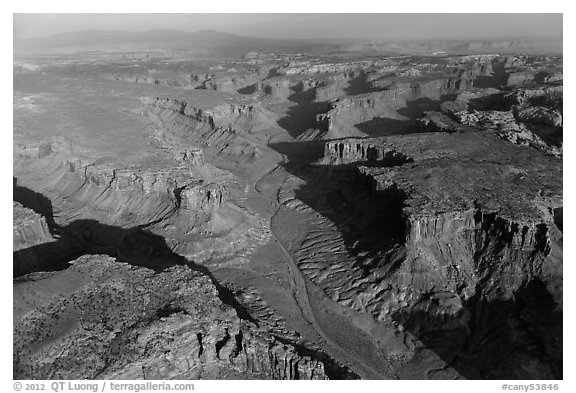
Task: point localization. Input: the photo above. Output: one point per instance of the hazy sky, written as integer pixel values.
(302, 25)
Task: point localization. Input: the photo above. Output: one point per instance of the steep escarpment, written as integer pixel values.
(104, 319)
(250, 118)
(191, 81)
(183, 76)
(224, 130)
(384, 112)
(32, 237)
(360, 151)
(131, 195)
(202, 235)
(29, 227)
(125, 316)
(232, 83)
(181, 201)
(443, 242)
(385, 97)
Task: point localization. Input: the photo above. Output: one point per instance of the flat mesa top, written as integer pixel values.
(105, 116)
(460, 171)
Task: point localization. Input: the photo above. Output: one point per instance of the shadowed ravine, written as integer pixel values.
(134, 246)
(289, 216)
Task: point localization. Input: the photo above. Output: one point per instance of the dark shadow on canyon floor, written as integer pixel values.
(302, 116)
(488, 340)
(273, 73)
(369, 223)
(34, 201)
(497, 80)
(415, 109)
(383, 126)
(251, 89)
(138, 247)
(493, 102)
(359, 84)
(135, 246)
(518, 338)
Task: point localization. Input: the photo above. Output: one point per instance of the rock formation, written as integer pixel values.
(288, 215)
(457, 240)
(132, 323)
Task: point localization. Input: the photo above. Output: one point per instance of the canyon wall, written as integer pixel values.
(444, 237)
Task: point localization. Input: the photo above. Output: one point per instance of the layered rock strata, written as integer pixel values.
(465, 231)
(176, 202)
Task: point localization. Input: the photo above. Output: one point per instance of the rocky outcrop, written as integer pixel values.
(542, 94)
(179, 202)
(131, 195)
(351, 116)
(191, 81)
(231, 130)
(37, 243)
(247, 117)
(198, 127)
(307, 67)
(538, 114)
(554, 78)
(115, 321)
(360, 151)
(484, 99)
(424, 246)
(437, 122)
(506, 126)
(29, 228)
(462, 232)
(231, 83)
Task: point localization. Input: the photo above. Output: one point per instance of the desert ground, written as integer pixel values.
(327, 214)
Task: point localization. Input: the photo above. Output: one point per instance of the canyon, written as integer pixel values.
(289, 215)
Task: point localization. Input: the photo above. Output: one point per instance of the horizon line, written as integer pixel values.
(407, 38)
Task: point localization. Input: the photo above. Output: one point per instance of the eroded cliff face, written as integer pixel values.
(460, 239)
(223, 129)
(29, 228)
(31, 239)
(131, 196)
(227, 76)
(141, 311)
(372, 98)
(360, 151)
(363, 114)
(232, 83)
(179, 202)
(191, 81)
(111, 320)
(220, 244)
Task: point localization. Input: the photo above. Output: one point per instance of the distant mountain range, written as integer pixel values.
(210, 42)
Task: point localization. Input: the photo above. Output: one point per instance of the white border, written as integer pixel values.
(229, 6)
